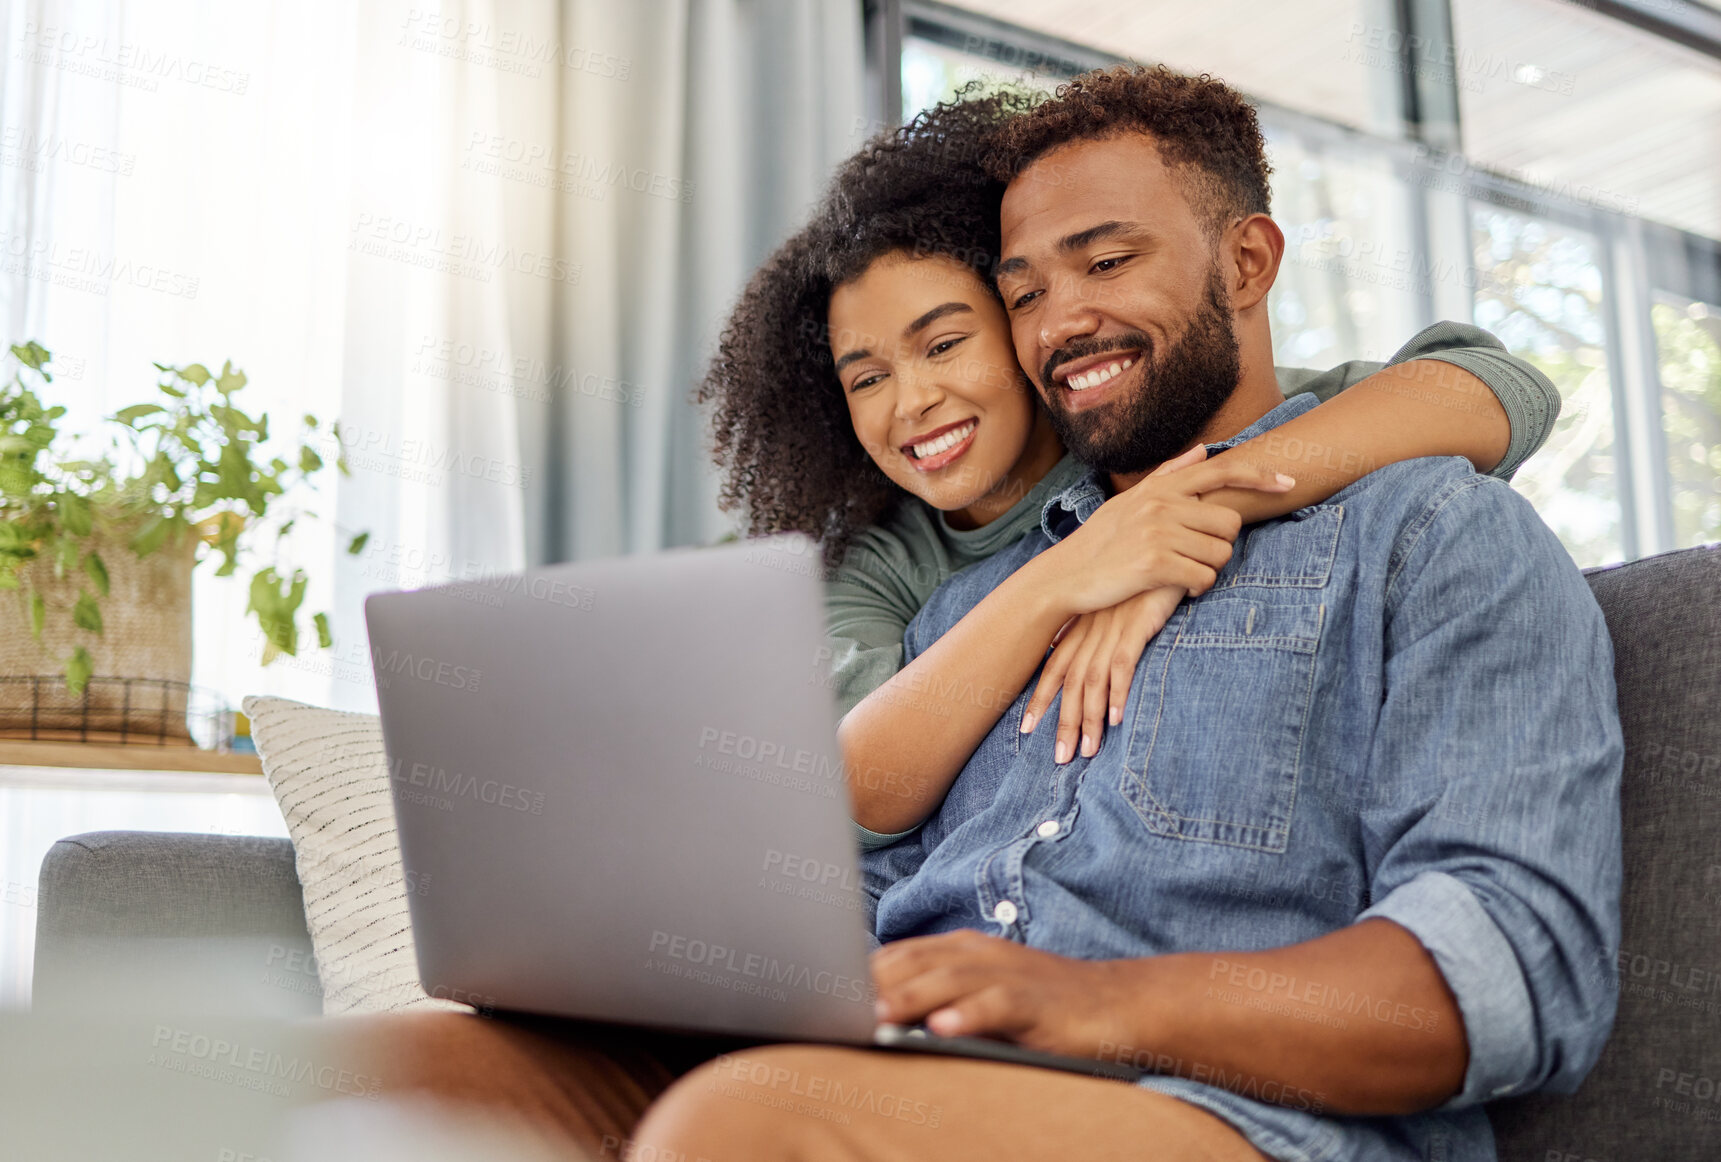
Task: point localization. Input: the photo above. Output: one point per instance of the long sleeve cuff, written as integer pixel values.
(1532, 403)
(1482, 971)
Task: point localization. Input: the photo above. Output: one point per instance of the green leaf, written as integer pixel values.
(230, 380)
(196, 373)
(129, 416)
(78, 671)
(32, 355)
(309, 461)
(358, 544)
(151, 536)
(161, 472)
(233, 471)
(86, 614)
(98, 571)
(74, 513)
(325, 639)
(169, 389)
(276, 609)
(38, 614)
(310, 420)
(65, 556)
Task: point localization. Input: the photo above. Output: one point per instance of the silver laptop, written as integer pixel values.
(620, 798)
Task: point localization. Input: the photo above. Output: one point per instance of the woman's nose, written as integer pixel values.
(916, 395)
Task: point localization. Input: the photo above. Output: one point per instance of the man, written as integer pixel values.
(1348, 867)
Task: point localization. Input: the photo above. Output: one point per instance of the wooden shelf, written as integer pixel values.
(114, 757)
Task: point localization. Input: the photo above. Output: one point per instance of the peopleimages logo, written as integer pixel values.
(767, 753)
(258, 1068)
(427, 669)
(763, 968)
(438, 780)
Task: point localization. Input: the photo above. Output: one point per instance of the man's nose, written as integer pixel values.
(1066, 314)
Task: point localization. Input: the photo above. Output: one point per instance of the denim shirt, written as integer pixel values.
(1399, 703)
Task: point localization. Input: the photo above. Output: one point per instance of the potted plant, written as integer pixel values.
(98, 552)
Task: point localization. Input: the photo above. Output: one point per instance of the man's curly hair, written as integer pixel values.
(1207, 134)
(781, 430)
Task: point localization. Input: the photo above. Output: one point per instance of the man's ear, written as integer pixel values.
(1257, 245)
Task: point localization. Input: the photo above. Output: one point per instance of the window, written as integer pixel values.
(1347, 286)
(1688, 349)
(1577, 222)
(1558, 95)
(1332, 58)
(1540, 289)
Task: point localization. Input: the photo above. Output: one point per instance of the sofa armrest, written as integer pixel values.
(162, 920)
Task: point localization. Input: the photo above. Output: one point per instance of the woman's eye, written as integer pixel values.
(866, 381)
(941, 348)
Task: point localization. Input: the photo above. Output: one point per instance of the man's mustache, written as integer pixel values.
(1087, 348)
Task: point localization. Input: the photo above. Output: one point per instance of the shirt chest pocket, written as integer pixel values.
(1216, 739)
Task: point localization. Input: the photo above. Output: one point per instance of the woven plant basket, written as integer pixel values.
(146, 633)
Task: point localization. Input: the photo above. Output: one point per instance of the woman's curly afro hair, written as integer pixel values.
(782, 434)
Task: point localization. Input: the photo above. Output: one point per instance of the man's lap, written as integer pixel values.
(586, 1087)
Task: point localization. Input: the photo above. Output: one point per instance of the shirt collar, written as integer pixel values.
(1071, 508)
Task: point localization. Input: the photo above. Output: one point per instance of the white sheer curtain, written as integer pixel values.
(495, 238)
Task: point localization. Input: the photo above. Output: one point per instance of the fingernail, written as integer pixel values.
(1116, 715)
(1062, 754)
(1028, 721)
(1286, 481)
(947, 1022)
(881, 1010)
(1088, 747)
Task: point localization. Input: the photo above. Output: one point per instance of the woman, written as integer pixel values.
(866, 392)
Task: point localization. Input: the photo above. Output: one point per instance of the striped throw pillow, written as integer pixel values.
(330, 778)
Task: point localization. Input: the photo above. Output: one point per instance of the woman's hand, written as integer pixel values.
(1187, 542)
(1159, 533)
(1093, 663)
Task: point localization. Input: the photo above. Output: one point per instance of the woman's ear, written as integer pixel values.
(1257, 245)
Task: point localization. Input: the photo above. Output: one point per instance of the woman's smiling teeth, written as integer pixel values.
(942, 443)
(1099, 375)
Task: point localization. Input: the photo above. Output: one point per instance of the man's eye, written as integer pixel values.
(1106, 264)
(1023, 299)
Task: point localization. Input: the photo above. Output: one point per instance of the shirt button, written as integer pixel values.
(1005, 912)
(1048, 829)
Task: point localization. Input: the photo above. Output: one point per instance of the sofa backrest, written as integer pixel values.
(1656, 1092)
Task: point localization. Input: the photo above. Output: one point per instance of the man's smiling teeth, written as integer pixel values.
(1098, 375)
(943, 443)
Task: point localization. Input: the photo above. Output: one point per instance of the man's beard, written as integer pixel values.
(1182, 388)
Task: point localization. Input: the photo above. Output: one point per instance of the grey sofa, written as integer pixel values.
(128, 916)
